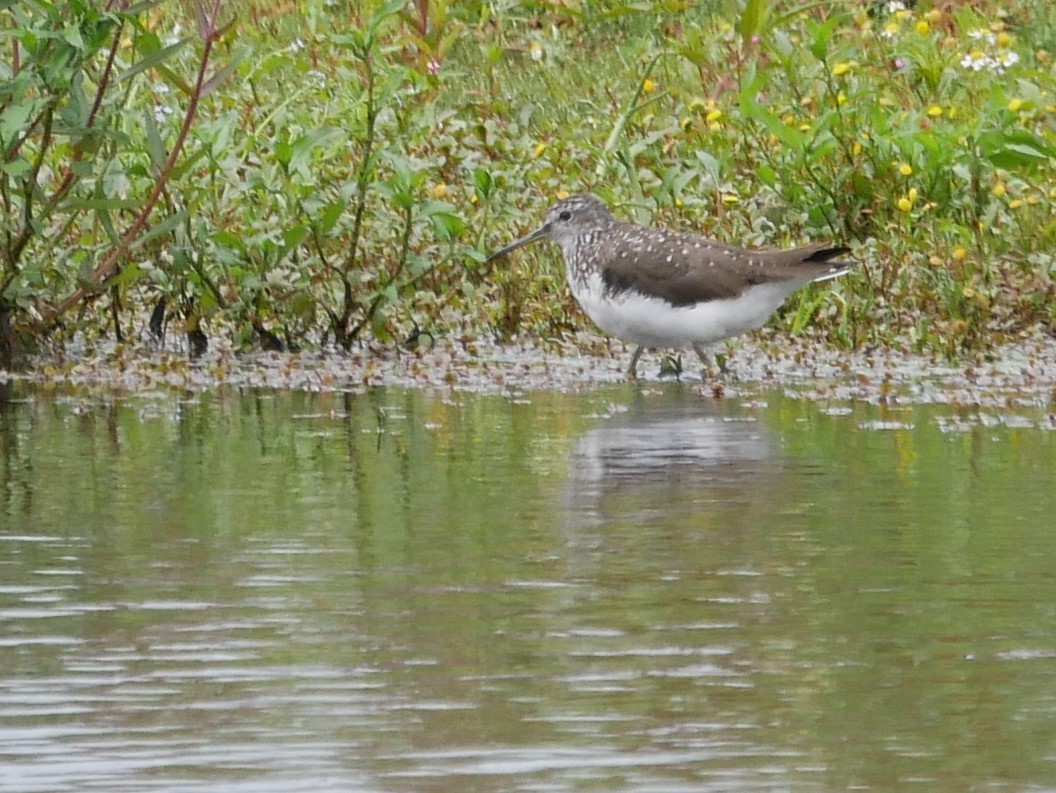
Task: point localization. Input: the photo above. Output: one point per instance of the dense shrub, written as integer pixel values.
(320, 172)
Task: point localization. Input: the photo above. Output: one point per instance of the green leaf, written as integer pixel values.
(152, 60)
(155, 146)
(96, 204)
(820, 36)
(222, 75)
(17, 168)
(107, 222)
(283, 153)
(71, 34)
(229, 239)
(384, 14)
(329, 216)
(130, 273)
(302, 304)
(293, 236)
(1018, 149)
(483, 183)
(753, 18)
(14, 119)
(754, 111)
(447, 225)
(161, 229)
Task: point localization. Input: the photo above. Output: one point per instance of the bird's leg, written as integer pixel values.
(704, 358)
(632, 370)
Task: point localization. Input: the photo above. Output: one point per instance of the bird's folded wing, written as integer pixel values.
(684, 269)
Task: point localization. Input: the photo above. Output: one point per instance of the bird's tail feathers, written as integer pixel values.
(836, 269)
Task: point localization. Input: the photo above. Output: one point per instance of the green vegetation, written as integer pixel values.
(321, 172)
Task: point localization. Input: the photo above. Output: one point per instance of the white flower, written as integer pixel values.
(296, 45)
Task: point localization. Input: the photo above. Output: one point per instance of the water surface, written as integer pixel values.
(635, 590)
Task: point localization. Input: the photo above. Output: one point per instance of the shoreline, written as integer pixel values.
(1022, 373)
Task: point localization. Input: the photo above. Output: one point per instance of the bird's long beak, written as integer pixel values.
(538, 234)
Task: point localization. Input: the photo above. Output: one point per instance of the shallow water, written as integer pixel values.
(629, 589)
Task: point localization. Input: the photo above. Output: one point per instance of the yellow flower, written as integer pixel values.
(1015, 105)
(440, 191)
(713, 115)
(1004, 39)
(998, 189)
(714, 126)
(905, 169)
(903, 14)
(935, 111)
(891, 28)
(905, 204)
(648, 86)
(473, 199)
(1015, 203)
(923, 28)
(730, 198)
(1033, 200)
(912, 194)
(856, 149)
(841, 98)
(840, 68)
(933, 16)
(562, 195)
(678, 202)
(960, 253)
(539, 149)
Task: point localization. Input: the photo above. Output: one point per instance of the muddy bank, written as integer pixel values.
(1021, 374)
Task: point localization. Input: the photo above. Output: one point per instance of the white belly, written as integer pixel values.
(652, 322)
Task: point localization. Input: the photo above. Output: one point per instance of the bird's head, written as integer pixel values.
(566, 221)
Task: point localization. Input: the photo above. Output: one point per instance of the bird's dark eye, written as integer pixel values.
(566, 215)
